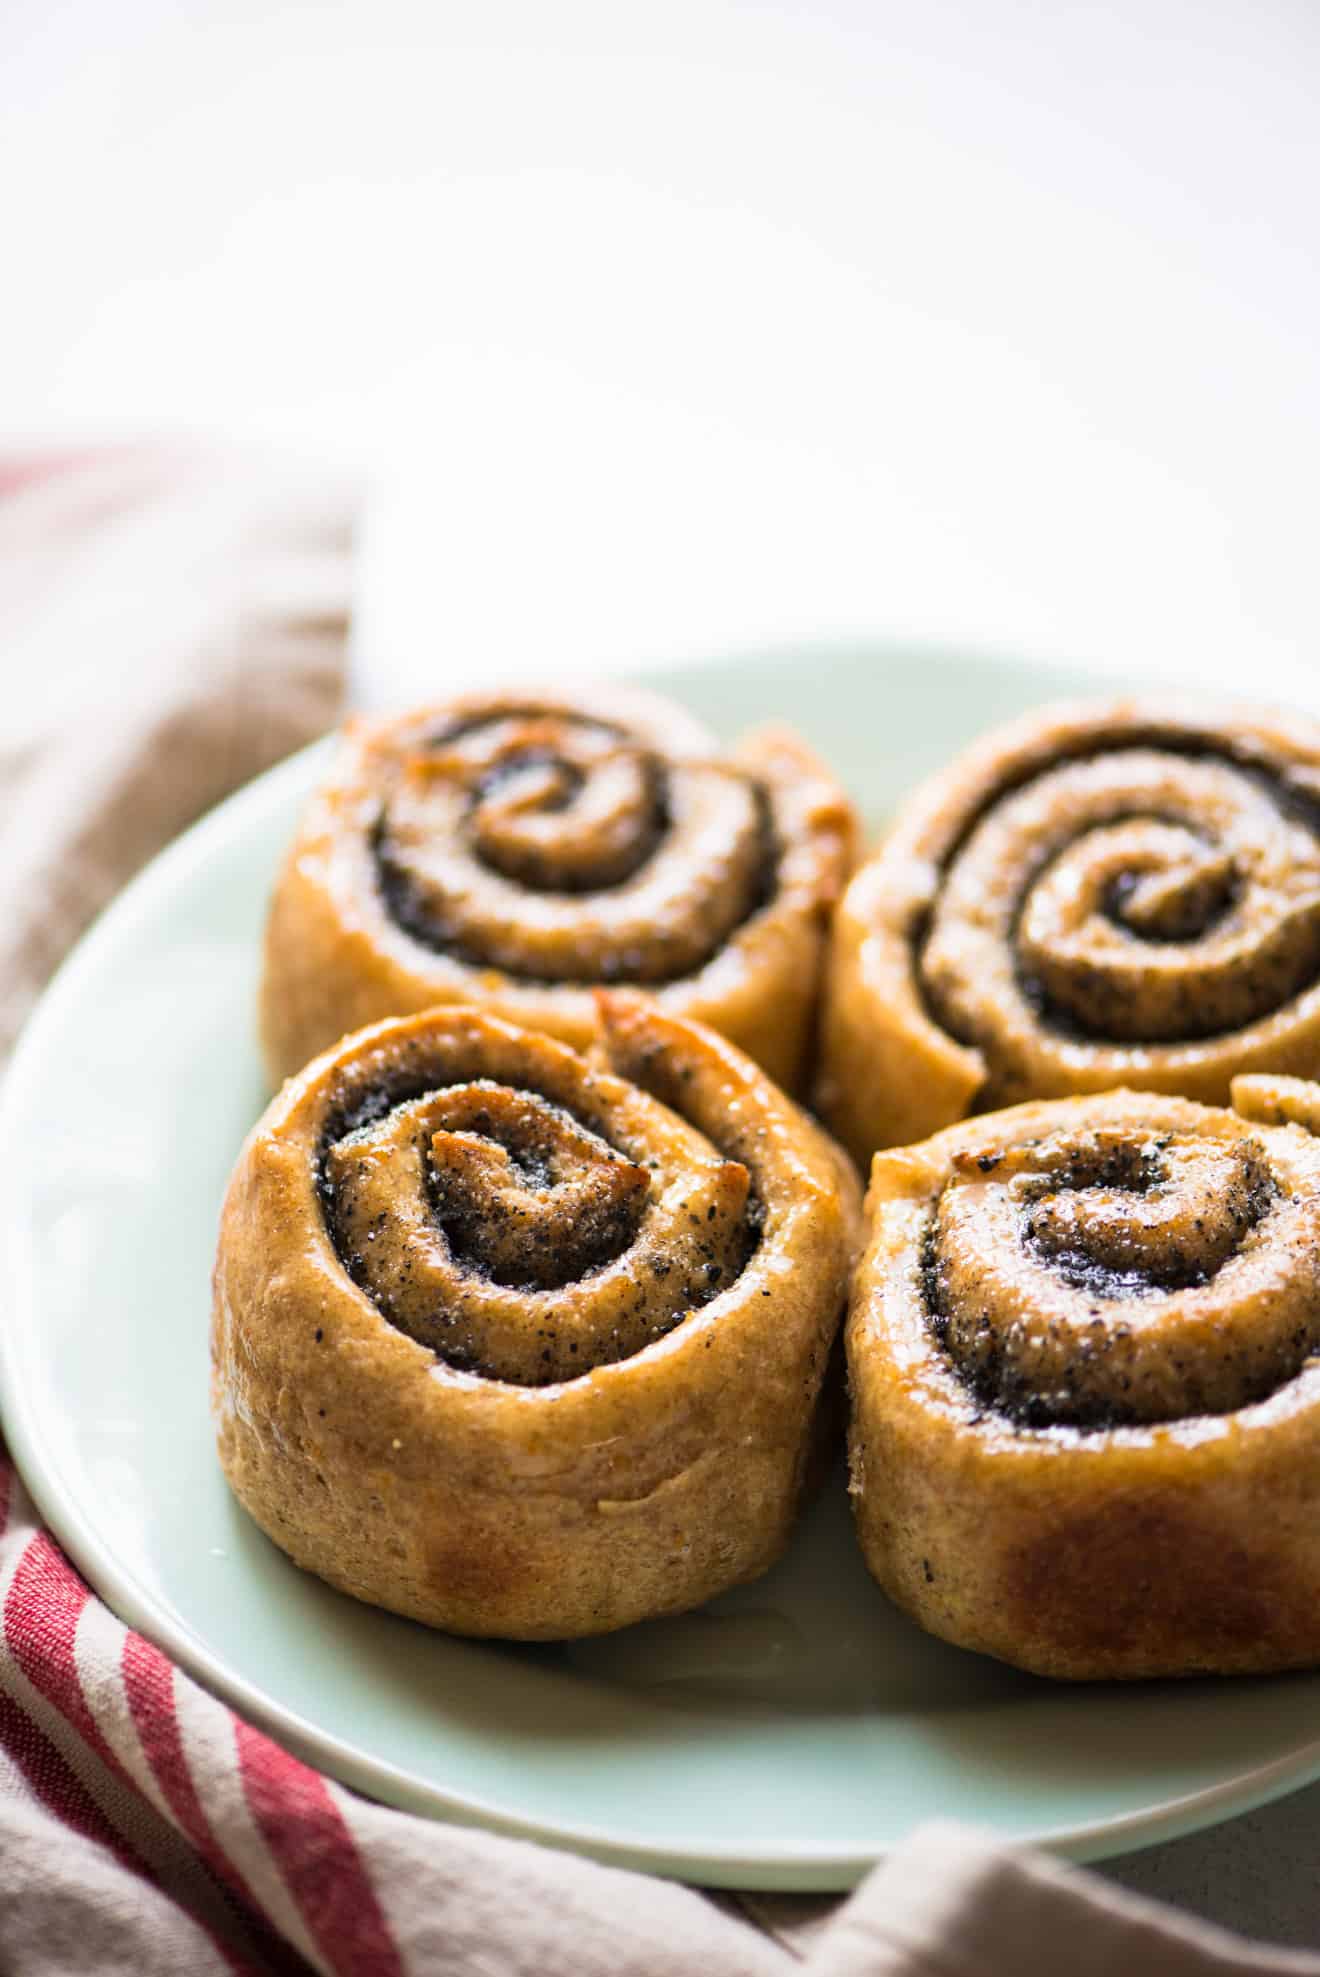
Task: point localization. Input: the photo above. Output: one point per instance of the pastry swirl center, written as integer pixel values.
(558, 848)
(511, 1237)
(1136, 896)
(1108, 1275)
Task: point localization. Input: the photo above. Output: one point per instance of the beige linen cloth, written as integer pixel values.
(170, 625)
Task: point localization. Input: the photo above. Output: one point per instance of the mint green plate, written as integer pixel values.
(785, 1736)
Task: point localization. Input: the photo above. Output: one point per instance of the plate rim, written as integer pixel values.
(807, 1867)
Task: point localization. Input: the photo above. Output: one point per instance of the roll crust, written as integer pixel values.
(520, 849)
(1081, 1345)
(445, 1215)
(1106, 894)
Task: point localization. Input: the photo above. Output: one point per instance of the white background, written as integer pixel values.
(688, 326)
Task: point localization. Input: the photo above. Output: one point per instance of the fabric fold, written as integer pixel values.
(955, 1902)
(179, 624)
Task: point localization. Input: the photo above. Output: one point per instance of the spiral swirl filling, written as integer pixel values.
(526, 1238)
(558, 848)
(1150, 893)
(1104, 1276)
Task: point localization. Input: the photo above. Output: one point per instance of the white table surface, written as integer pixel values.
(682, 326)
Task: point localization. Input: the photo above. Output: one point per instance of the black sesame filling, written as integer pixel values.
(418, 917)
(1204, 909)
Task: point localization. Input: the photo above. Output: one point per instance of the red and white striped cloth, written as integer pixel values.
(144, 1827)
(241, 1856)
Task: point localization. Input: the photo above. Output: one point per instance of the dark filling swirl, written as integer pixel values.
(1144, 894)
(1106, 1275)
(528, 1238)
(558, 848)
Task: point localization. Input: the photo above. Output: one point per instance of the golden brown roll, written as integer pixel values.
(519, 850)
(1098, 895)
(522, 1345)
(1086, 1402)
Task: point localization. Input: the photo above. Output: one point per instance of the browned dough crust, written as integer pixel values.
(1117, 893)
(518, 850)
(440, 1464)
(1085, 1427)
